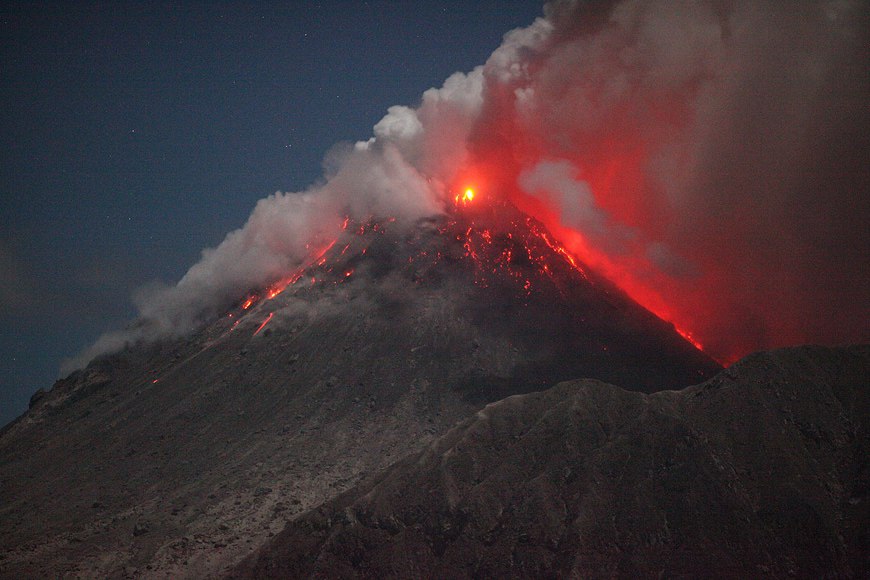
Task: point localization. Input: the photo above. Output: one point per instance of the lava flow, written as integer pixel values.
(265, 322)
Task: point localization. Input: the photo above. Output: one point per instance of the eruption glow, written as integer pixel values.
(707, 157)
(708, 167)
(465, 197)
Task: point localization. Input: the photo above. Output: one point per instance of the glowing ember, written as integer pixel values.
(499, 249)
(265, 322)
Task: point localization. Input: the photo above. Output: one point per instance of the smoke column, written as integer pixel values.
(710, 157)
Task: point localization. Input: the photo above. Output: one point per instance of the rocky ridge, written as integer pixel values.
(761, 471)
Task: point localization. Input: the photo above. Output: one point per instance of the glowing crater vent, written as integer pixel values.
(465, 197)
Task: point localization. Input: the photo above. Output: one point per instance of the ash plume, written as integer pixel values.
(708, 156)
(400, 173)
(711, 158)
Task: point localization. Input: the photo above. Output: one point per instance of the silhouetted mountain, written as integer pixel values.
(761, 471)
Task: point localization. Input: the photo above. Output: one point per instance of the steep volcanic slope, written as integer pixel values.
(183, 456)
(761, 471)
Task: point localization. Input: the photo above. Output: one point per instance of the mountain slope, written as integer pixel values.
(182, 456)
(761, 471)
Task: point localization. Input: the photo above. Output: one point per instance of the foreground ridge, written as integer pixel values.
(761, 471)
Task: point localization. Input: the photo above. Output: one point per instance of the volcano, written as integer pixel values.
(182, 456)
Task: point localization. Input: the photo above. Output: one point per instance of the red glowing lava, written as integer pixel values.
(318, 258)
(265, 322)
(689, 338)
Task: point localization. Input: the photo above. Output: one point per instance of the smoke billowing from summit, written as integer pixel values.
(709, 157)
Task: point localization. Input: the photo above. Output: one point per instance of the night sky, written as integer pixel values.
(135, 135)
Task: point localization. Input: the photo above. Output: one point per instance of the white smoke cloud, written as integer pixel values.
(401, 172)
(400, 124)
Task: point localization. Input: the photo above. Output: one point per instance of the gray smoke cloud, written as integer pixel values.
(710, 156)
(557, 183)
(402, 172)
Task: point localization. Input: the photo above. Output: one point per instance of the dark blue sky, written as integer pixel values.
(136, 134)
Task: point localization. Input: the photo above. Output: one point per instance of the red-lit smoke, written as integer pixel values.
(709, 157)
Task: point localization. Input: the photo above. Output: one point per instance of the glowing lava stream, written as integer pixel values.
(265, 322)
(475, 241)
(282, 284)
(253, 299)
(464, 199)
(689, 338)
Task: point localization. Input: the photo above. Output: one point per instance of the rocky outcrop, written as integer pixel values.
(761, 471)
